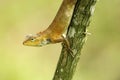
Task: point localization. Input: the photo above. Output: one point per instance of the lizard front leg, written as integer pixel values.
(65, 41)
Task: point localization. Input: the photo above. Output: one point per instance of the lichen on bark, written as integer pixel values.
(76, 35)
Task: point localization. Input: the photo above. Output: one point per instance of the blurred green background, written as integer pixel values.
(100, 58)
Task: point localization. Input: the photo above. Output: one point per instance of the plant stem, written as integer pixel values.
(76, 36)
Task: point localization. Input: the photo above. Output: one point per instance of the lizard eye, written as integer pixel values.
(32, 39)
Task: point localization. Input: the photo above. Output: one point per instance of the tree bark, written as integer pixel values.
(76, 35)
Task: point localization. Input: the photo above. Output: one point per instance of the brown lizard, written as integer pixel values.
(54, 33)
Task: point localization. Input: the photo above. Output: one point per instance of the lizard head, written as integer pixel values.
(36, 40)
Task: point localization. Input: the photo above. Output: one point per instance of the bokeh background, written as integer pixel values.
(100, 58)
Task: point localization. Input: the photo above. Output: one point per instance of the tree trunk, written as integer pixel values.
(76, 36)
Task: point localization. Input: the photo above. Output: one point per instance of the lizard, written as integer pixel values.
(55, 32)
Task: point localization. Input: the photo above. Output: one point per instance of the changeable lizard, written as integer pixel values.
(54, 33)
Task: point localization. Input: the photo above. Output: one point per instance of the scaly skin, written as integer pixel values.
(54, 33)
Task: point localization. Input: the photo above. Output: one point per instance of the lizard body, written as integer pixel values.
(54, 33)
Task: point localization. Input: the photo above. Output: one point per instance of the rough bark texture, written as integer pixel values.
(76, 35)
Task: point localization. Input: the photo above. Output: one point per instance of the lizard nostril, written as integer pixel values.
(23, 43)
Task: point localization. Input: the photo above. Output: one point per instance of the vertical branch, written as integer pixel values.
(76, 35)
